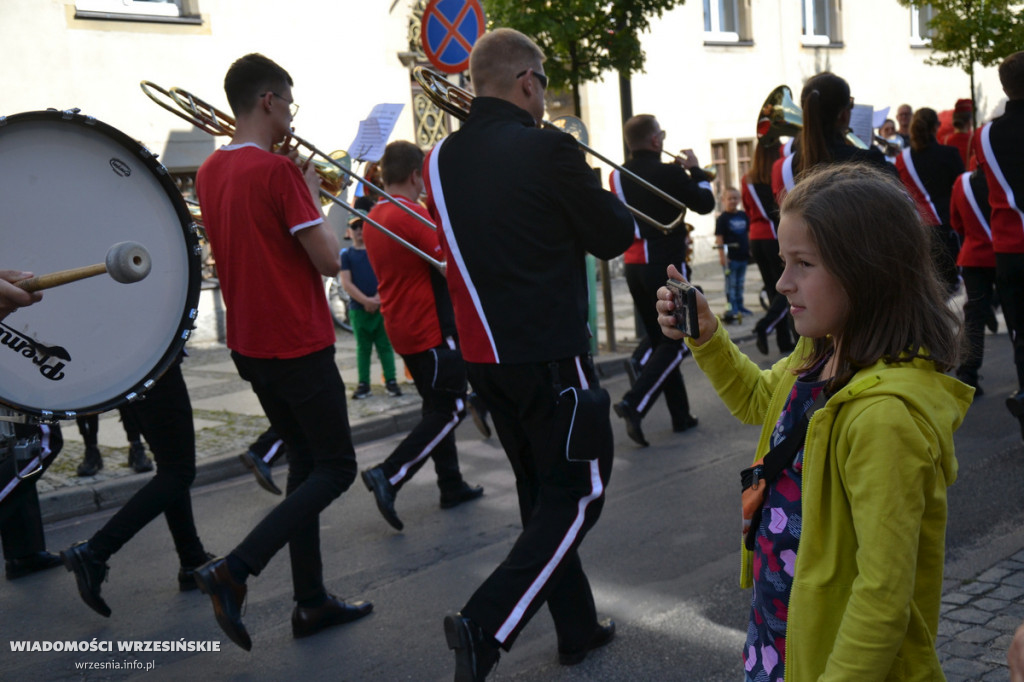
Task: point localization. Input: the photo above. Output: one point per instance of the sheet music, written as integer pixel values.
(374, 132)
(860, 122)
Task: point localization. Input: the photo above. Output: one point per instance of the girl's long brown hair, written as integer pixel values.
(872, 240)
(824, 97)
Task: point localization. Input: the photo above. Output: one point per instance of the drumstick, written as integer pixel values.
(126, 262)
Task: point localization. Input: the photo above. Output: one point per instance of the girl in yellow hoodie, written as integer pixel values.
(848, 556)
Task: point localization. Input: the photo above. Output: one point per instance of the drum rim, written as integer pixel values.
(176, 347)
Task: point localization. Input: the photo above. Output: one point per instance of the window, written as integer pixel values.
(722, 165)
(744, 156)
(722, 20)
(820, 22)
(920, 33)
(139, 10)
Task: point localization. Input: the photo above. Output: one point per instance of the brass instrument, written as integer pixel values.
(890, 146)
(780, 116)
(332, 168)
(456, 102)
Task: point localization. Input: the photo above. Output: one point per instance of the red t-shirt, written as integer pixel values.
(254, 203)
(403, 278)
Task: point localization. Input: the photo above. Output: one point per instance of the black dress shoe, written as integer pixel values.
(465, 493)
(187, 576)
(604, 633)
(89, 572)
(478, 411)
(33, 563)
(474, 655)
(228, 595)
(1015, 404)
(137, 458)
(633, 430)
(377, 483)
(686, 424)
(261, 470)
(762, 339)
(310, 620)
(91, 463)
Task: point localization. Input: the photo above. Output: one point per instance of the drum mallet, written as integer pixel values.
(126, 262)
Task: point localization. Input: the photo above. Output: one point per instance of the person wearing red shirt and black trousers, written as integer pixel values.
(969, 215)
(272, 248)
(1001, 154)
(517, 209)
(646, 261)
(421, 326)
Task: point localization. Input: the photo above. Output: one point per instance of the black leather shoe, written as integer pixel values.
(464, 494)
(227, 596)
(478, 411)
(633, 430)
(688, 423)
(762, 339)
(33, 563)
(1015, 404)
(604, 633)
(310, 620)
(187, 576)
(89, 572)
(474, 655)
(261, 470)
(91, 463)
(377, 483)
(137, 458)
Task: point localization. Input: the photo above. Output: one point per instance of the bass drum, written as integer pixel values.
(70, 187)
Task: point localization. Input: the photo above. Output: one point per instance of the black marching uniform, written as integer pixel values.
(644, 275)
(518, 209)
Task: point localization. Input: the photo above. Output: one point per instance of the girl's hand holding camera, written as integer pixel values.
(706, 320)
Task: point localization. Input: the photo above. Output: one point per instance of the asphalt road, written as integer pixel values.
(663, 562)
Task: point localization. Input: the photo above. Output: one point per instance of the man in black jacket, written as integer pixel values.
(652, 252)
(517, 208)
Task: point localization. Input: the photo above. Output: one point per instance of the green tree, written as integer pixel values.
(970, 32)
(581, 38)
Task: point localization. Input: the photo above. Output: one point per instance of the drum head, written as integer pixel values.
(70, 188)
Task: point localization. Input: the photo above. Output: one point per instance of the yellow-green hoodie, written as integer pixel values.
(877, 461)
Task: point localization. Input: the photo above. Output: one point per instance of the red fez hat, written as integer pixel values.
(963, 105)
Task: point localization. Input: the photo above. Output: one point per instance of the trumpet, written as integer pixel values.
(333, 169)
(708, 170)
(781, 117)
(456, 102)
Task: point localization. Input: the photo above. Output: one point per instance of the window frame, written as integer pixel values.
(916, 39)
(716, 34)
(170, 11)
(832, 37)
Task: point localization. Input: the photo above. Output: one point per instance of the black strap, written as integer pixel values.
(781, 456)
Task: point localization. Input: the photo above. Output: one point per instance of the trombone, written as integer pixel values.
(209, 119)
(456, 102)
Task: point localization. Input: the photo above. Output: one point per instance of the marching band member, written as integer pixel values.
(517, 208)
(420, 324)
(759, 204)
(929, 170)
(272, 247)
(1002, 154)
(969, 215)
(645, 262)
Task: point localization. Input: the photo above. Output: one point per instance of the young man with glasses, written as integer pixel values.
(272, 247)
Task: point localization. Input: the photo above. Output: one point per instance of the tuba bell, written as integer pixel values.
(780, 116)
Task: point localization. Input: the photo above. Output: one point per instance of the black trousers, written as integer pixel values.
(559, 501)
(164, 417)
(766, 255)
(304, 399)
(434, 435)
(1010, 285)
(979, 284)
(661, 372)
(268, 446)
(21, 520)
